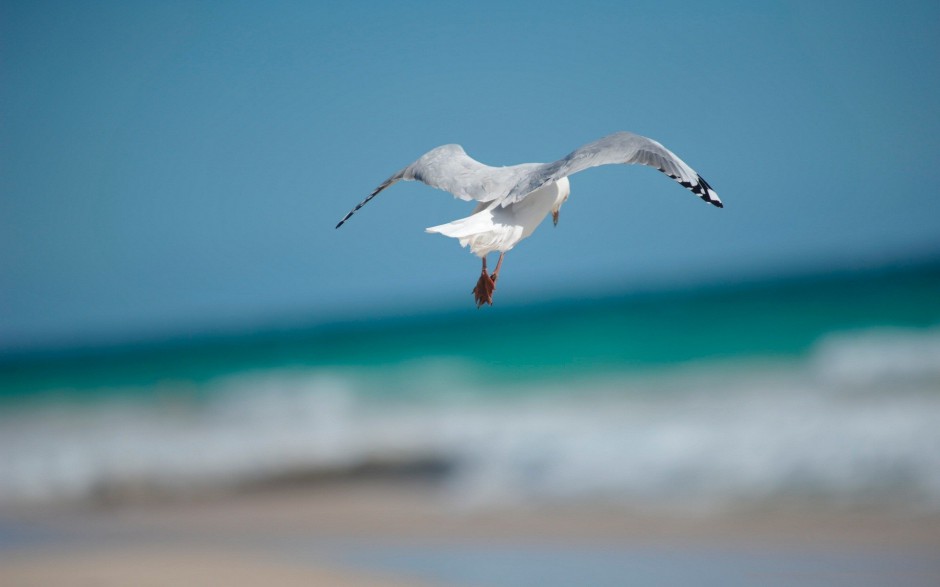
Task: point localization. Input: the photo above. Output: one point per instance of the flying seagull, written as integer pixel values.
(513, 200)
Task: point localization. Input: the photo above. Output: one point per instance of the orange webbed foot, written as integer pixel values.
(483, 292)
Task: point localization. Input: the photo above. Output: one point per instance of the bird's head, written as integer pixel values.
(564, 189)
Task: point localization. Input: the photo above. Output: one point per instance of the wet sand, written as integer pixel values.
(400, 533)
(159, 565)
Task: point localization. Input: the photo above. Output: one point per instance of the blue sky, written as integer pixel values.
(174, 167)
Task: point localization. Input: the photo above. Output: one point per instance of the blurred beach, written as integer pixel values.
(768, 432)
(393, 533)
(203, 383)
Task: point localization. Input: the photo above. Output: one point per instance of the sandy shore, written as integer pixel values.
(158, 565)
(390, 534)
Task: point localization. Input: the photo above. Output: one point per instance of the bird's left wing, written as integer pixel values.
(621, 147)
(449, 168)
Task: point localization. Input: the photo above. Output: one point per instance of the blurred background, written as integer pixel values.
(185, 338)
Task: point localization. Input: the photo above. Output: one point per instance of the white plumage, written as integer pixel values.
(514, 200)
(494, 228)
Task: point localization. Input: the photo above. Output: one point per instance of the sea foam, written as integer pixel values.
(855, 421)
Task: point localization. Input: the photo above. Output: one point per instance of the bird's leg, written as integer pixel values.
(495, 274)
(483, 292)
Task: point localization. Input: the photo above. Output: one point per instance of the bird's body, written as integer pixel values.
(493, 228)
(512, 201)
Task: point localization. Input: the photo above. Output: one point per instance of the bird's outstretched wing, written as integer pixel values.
(621, 147)
(449, 168)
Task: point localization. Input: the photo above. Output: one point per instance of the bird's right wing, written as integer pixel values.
(449, 168)
(618, 148)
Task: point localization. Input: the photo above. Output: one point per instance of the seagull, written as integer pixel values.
(512, 201)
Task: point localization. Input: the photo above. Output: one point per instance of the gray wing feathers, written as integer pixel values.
(449, 168)
(398, 176)
(622, 148)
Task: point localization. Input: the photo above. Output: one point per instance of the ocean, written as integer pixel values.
(821, 389)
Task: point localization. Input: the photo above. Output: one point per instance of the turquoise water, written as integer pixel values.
(780, 319)
(823, 388)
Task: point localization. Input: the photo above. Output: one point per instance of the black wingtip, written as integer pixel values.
(719, 204)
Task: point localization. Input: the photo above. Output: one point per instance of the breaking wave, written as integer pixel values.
(855, 421)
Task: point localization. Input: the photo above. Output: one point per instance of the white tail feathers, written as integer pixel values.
(481, 232)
